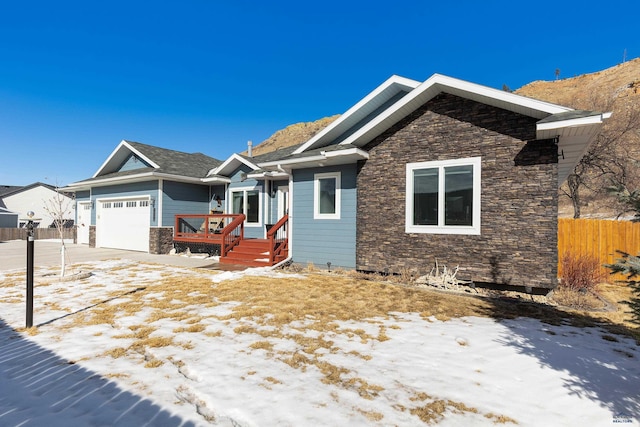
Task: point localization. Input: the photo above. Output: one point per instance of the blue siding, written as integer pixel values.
(325, 240)
(183, 198)
(83, 196)
(133, 162)
(8, 220)
(147, 188)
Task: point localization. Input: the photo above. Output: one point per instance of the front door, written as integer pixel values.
(283, 200)
(83, 209)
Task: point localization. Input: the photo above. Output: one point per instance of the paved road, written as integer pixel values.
(13, 255)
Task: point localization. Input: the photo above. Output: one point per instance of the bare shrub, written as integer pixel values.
(580, 273)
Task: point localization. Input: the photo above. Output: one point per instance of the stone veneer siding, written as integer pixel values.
(518, 241)
(92, 236)
(160, 240)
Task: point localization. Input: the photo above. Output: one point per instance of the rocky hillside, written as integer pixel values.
(616, 89)
(621, 82)
(292, 135)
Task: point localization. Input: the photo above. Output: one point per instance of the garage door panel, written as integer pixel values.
(124, 224)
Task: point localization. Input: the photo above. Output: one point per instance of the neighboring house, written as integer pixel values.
(415, 172)
(131, 201)
(8, 219)
(37, 198)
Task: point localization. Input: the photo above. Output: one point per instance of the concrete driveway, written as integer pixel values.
(13, 255)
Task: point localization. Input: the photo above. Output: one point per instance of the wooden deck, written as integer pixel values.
(223, 235)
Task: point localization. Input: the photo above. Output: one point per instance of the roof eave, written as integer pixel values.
(326, 158)
(115, 157)
(98, 182)
(228, 164)
(401, 82)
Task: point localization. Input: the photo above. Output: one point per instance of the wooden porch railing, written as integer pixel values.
(222, 229)
(232, 234)
(278, 239)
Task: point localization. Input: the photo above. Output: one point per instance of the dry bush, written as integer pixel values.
(580, 272)
(575, 299)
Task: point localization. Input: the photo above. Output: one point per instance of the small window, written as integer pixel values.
(132, 204)
(106, 205)
(86, 207)
(144, 203)
(326, 195)
(117, 204)
(443, 197)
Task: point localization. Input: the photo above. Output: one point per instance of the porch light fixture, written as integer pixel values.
(152, 201)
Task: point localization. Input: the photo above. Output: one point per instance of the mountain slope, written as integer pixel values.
(293, 134)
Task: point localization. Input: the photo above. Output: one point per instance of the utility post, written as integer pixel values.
(30, 246)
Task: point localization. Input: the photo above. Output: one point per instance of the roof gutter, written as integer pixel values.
(129, 178)
(333, 157)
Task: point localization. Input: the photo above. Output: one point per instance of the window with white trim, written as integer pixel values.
(326, 195)
(443, 197)
(247, 201)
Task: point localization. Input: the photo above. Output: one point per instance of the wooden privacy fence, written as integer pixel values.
(599, 238)
(38, 233)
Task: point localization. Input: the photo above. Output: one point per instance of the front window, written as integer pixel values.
(247, 201)
(443, 197)
(326, 196)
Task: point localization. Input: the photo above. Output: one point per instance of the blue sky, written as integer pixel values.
(207, 76)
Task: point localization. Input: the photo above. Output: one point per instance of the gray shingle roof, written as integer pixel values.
(4, 189)
(195, 165)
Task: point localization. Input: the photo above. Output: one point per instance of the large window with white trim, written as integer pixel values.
(247, 201)
(443, 197)
(326, 195)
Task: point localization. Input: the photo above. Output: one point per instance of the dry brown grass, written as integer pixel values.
(579, 300)
(309, 313)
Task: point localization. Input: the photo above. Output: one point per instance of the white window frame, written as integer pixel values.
(316, 195)
(244, 190)
(473, 229)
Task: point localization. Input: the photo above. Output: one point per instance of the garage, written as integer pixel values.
(123, 224)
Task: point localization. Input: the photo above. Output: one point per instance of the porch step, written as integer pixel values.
(251, 253)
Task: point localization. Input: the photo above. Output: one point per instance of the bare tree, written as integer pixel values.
(59, 207)
(610, 160)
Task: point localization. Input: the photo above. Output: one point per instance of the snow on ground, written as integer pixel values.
(467, 371)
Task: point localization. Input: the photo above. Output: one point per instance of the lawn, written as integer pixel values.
(174, 346)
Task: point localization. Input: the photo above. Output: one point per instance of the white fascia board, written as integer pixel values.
(233, 158)
(393, 80)
(582, 121)
(216, 179)
(106, 162)
(116, 180)
(268, 175)
(115, 156)
(350, 152)
(292, 161)
(497, 94)
(142, 156)
(435, 85)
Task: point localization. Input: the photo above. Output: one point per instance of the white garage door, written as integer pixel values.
(123, 224)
